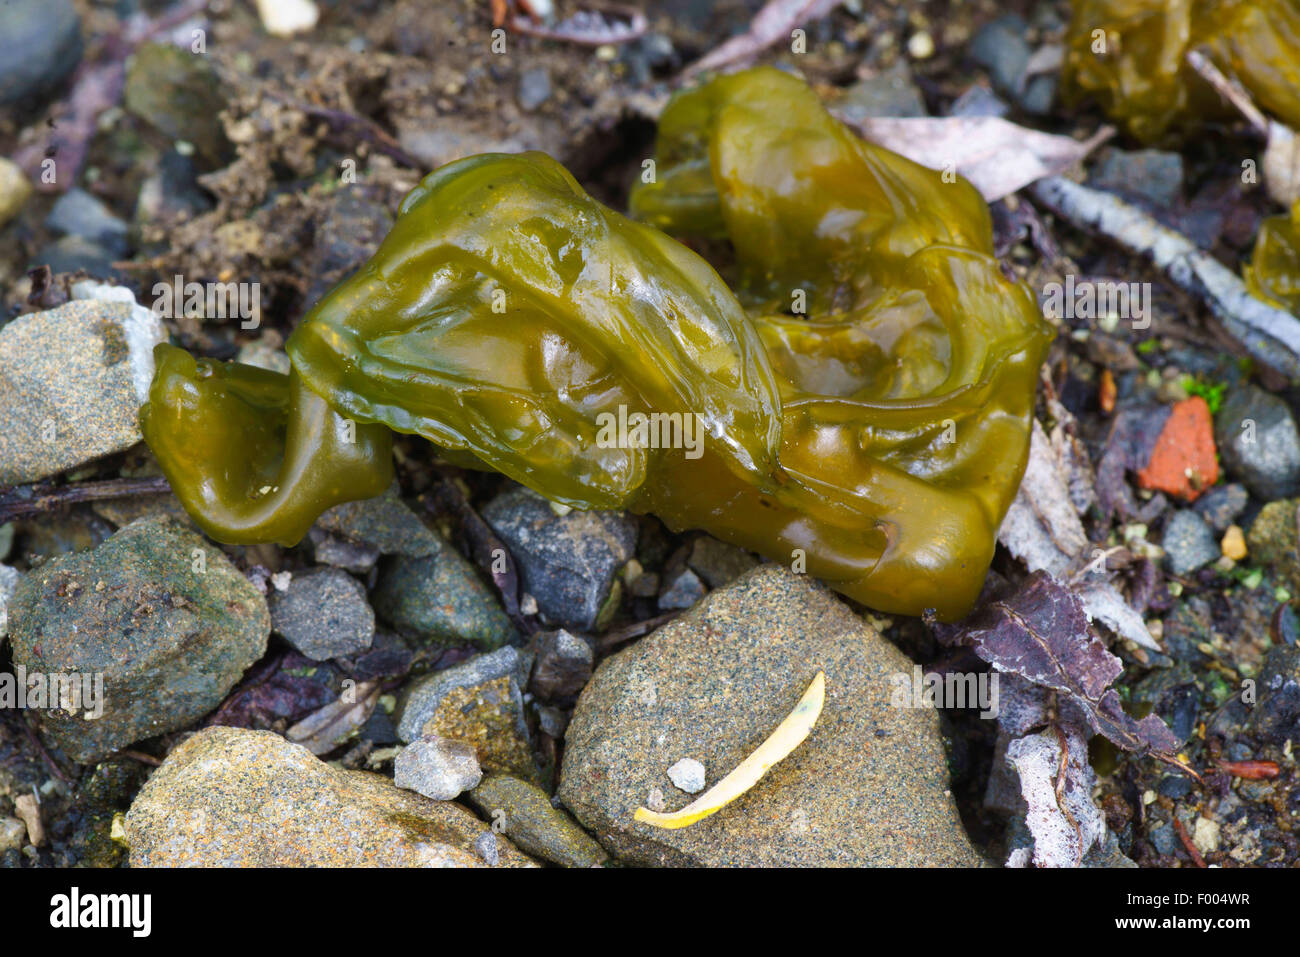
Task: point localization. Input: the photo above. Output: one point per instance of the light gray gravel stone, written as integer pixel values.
(437, 767)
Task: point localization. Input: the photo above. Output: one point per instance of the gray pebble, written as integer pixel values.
(1189, 543)
(323, 614)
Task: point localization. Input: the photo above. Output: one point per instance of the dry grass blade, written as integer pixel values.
(789, 734)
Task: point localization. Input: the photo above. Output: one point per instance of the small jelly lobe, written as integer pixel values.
(1273, 273)
(1131, 57)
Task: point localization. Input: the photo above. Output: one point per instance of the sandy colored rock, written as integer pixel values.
(237, 798)
(525, 814)
(478, 702)
(69, 386)
(869, 786)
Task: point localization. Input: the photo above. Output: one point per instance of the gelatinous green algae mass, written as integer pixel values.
(1130, 55)
(1274, 270)
(253, 455)
(506, 309)
(873, 438)
(908, 381)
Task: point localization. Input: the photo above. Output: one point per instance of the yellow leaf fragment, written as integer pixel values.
(789, 734)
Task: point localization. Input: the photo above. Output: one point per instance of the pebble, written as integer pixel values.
(534, 88)
(717, 562)
(1188, 542)
(71, 383)
(1000, 47)
(437, 767)
(889, 93)
(323, 614)
(340, 553)
(238, 798)
(1183, 460)
(1221, 505)
(70, 254)
(1153, 175)
(77, 213)
(525, 814)
(562, 667)
(714, 683)
(283, 18)
(1275, 718)
(567, 562)
(179, 94)
(979, 100)
(15, 190)
(1272, 542)
(9, 577)
(687, 775)
(1258, 440)
(171, 195)
(262, 353)
(682, 592)
(1233, 543)
(920, 45)
(42, 45)
(440, 599)
(384, 522)
(164, 617)
(349, 228)
(13, 833)
(479, 702)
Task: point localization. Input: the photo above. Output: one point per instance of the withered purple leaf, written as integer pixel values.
(1041, 633)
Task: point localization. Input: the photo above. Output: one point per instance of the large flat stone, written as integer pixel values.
(869, 786)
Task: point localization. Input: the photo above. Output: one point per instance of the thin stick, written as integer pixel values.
(50, 763)
(635, 630)
(44, 497)
(1269, 334)
(1230, 90)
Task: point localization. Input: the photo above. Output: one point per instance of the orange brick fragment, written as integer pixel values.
(1183, 462)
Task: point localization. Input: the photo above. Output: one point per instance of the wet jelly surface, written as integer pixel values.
(862, 388)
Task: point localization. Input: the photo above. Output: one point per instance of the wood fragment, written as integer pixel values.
(1188, 843)
(1270, 335)
(41, 497)
(28, 810)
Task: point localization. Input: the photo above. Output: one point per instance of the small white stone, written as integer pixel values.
(438, 768)
(1205, 835)
(283, 18)
(281, 580)
(687, 775)
(12, 834)
(920, 46)
(15, 190)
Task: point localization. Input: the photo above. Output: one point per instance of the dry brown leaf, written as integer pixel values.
(1062, 816)
(1042, 529)
(771, 25)
(996, 155)
(324, 730)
